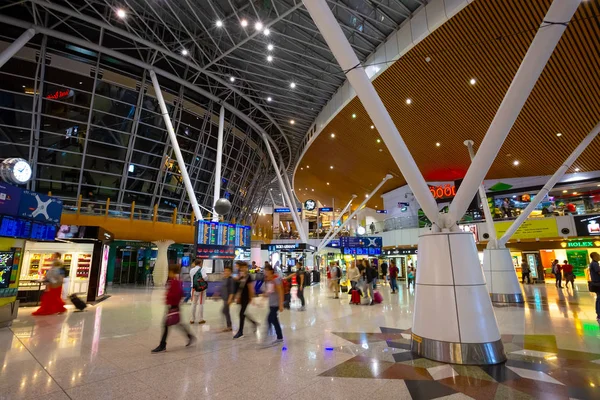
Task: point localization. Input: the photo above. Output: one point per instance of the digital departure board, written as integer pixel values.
(15, 227)
(41, 231)
(223, 234)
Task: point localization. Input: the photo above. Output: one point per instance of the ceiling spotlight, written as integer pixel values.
(516, 162)
(438, 144)
(565, 191)
(81, 83)
(121, 13)
(269, 99)
(231, 79)
(559, 134)
(292, 85)
(244, 23)
(219, 23)
(270, 47)
(312, 190)
(184, 52)
(473, 81)
(366, 195)
(267, 32)
(23, 85)
(308, 166)
(258, 26)
(372, 126)
(292, 121)
(327, 183)
(331, 167)
(378, 140)
(333, 135)
(269, 58)
(301, 169)
(427, 59)
(408, 101)
(353, 115)
(577, 169)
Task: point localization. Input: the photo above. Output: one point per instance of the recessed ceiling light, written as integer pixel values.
(559, 134)
(81, 83)
(308, 166)
(312, 190)
(333, 135)
(270, 47)
(292, 121)
(331, 167)
(372, 126)
(269, 58)
(577, 169)
(231, 79)
(244, 23)
(292, 85)
(380, 149)
(366, 195)
(408, 101)
(565, 191)
(516, 162)
(258, 26)
(353, 115)
(473, 81)
(23, 85)
(327, 183)
(427, 59)
(267, 32)
(378, 140)
(219, 23)
(184, 52)
(302, 169)
(269, 99)
(121, 13)
(438, 144)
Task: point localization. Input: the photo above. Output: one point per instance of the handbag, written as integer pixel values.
(594, 287)
(173, 317)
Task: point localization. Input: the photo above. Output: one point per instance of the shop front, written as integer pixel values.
(285, 257)
(84, 256)
(404, 259)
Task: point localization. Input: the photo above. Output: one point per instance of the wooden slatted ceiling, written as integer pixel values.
(447, 109)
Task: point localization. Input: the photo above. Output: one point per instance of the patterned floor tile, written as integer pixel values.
(545, 343)
(406, 356)
(499, 372)
(539, 389)
(535, 366)
(426, 390)
(584, 393)
(534, 353)
(358, 370)
(535, 375)
(505, 392)
(479, 389)
(406, 372)
(472, 372)
(441, 372)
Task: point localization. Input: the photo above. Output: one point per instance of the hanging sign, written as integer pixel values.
(310, 205)
(381, 211)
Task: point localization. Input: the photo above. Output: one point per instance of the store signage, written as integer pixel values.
(215, 252)
(579, 244)
(284, 210)
(535, 228)
(40, 207)
(288, 247)
(60, 94)
(442, 192)
(366, 241)
(310, 205)
(400, 252)
(334, 243)
(587, 225)
(326, 209)
(381, 211)
(9, 199)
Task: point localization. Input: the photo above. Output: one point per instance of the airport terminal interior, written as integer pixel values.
(300, 199)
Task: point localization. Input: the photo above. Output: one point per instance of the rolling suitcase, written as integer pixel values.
(77, 302)
(377, 297)
(355, 297)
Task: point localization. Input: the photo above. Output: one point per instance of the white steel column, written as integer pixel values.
(336, 230)
(286, 195)
(15, 46)
(184, 174)
(539, 52)
(549, 185)
(334, 223)
(489, 220)
(288, 187)
(341, 49)
(217, 192)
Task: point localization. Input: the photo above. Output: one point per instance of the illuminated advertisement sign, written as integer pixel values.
(587, 225)
(442, 192)
(60, 94)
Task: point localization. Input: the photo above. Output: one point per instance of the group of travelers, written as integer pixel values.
(564, 271)
(238, 290)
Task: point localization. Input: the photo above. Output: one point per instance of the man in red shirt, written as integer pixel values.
(393, 276)
(568, 274)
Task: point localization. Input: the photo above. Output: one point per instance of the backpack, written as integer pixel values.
(371, 274)
(200, 285)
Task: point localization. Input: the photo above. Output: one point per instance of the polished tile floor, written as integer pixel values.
(333, 350)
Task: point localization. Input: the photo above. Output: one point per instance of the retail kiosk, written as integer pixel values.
(84, 255)
(285, 256)
(403, 258)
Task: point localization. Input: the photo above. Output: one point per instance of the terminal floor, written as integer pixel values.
(333, 350)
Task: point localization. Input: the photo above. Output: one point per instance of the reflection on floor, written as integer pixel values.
(334, 350)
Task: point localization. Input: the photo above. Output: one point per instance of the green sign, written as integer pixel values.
(580, 243)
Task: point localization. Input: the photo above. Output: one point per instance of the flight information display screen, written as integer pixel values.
(223, 234)
(15, 227)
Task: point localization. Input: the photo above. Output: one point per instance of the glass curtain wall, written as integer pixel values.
(91, 126)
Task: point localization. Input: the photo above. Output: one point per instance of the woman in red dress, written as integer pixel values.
(51, 301)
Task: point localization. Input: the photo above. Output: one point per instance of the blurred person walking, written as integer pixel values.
(568, 275)
(594, 280)
(384, 271)
(172, 300)
(244, 295)
(557, 271)
(410, 277)
(300, 276)
(336, 275)
(370, 276)
(199, 276)
(227, 294)
(274, 292)
(525, 272)
(51, 301)
(393, 276)
(353, 274)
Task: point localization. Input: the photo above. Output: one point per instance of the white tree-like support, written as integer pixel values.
(217, 190)
(453, 320)
(334, 224)
(161, 266)
(15, 46)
